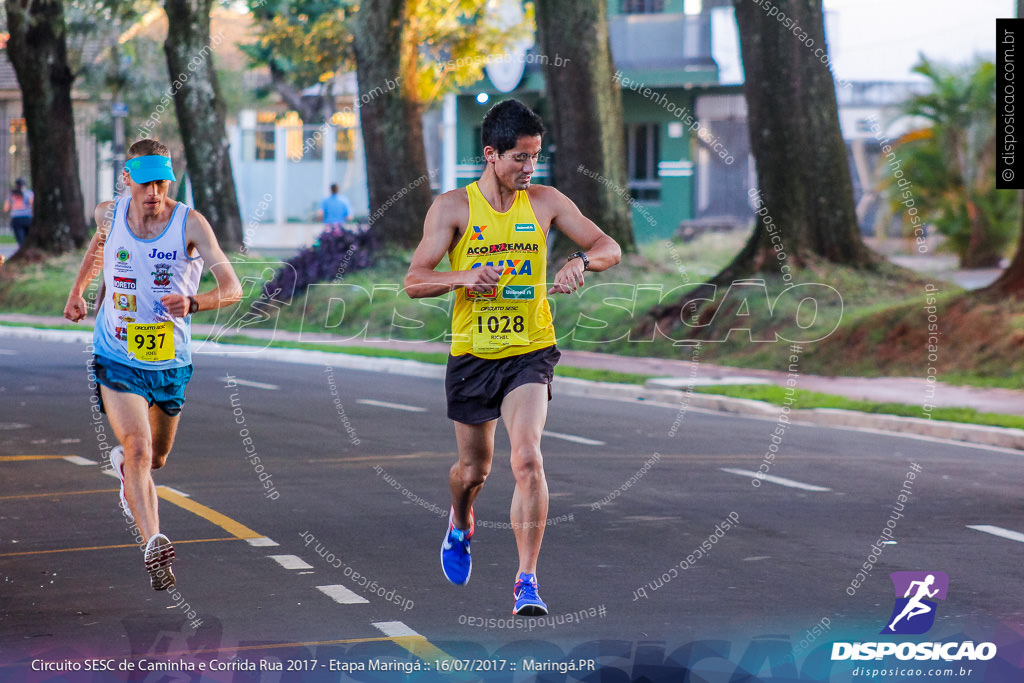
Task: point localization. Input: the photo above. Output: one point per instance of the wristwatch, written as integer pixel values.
(580, 255)
(193, 305)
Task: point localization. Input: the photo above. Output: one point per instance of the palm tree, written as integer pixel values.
(951, 161)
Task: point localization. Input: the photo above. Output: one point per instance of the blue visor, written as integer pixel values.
(149, 168)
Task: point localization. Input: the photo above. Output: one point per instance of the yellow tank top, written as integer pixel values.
(514, 318)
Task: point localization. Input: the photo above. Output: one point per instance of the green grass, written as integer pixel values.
(806, 400)
(7, 239)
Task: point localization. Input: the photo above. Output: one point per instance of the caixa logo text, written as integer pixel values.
(947, 652)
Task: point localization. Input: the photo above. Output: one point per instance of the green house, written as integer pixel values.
(687, 152)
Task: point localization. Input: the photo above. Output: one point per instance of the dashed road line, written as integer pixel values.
(394, 406)
(573, 438)
(250, 383)
(998, 531)
(791, 483)
(395, 629)
(342, 595)
(261, 542)
(291, 561)
(79, 460)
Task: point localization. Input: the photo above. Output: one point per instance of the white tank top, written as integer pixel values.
(132, 325)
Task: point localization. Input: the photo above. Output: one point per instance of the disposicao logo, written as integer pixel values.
(913, 613)
(914, 610)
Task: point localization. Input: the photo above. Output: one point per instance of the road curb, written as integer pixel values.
(1002, 437)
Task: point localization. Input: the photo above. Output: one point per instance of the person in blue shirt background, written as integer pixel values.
(335, 210)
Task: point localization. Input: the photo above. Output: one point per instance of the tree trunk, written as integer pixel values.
(802, 169)
(801, 159)
(585, 115)
(37, 49)
(200, 111)
(980, 251)
(1011, 281)
(392, 127)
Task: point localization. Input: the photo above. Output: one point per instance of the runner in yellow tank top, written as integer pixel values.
(503, 352)
(512, 318)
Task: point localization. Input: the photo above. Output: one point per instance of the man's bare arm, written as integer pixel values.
(92, 264)
(438, 232)
(228, 289)
(602, 251)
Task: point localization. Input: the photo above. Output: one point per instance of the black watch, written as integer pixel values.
(580, 255)
(193, 305)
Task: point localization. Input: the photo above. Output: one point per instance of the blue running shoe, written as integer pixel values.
(455, 558)
(528, 603)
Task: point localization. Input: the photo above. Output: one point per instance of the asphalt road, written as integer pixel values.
(331, 560)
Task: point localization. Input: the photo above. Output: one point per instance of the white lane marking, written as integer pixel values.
(572, 437)
(342, 595)
(291, 561)
(262, 541)
(998, 531)
(249, 383)
(79, 460)
(8, 352)
(174, 490)
(775, 480)
(395, 629)
(395, 406)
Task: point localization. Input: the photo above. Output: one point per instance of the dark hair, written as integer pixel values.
(508, 121)
(147, 147)
(334, 188)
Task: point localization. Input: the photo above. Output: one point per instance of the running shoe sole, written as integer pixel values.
(159, 556)
(532, 605)
(530, 611)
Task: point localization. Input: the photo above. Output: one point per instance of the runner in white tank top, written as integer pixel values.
(151, 250)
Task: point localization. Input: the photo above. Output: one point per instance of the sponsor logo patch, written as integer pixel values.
(124, 302)
(517, 292)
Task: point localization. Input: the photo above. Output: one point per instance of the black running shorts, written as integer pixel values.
(476, 387)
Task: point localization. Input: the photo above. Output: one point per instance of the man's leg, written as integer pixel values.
(163, 427)
(525, 410)
(129, 416)
(467, 475)
(466, 478)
